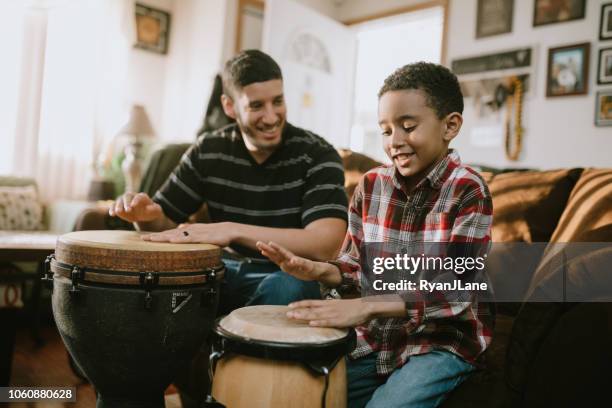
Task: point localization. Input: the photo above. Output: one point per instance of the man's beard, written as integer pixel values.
(249, 132)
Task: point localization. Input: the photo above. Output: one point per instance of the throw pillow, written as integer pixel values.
(20, 208)
(527, 205)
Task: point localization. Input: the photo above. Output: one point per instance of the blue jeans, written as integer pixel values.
(261, 283)
(423, 382)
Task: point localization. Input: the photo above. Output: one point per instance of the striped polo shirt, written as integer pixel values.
(302, 181)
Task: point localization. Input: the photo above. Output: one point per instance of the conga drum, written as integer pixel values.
(267, 360)
(130, 312)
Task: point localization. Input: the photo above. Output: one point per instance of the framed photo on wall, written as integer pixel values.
(604, 67)
(568, 70)
(605, 24)
(152, 29)
(557, 11)
(494, 17)
(603, 108)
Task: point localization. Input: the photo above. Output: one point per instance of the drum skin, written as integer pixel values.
(128, 348)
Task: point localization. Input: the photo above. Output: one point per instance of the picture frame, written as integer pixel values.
(494, 17)
(152, 29)
(604, 66)
(603, 108)
(568, 70)
(557, 11)
(605, 22)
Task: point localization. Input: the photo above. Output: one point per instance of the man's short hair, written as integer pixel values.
(439, 84)
(248, 67)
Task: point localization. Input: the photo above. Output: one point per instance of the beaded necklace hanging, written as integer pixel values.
(514, 143)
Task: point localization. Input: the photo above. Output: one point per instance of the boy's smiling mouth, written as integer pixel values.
(403, 158)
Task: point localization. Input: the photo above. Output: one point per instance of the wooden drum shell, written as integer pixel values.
(243, 381)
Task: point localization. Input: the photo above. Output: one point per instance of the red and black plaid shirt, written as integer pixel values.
(451, 205)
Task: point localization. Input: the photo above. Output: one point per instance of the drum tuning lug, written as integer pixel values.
(75, 275)
(148, 281)
(47, 277)
(208, 297)
(210, 402)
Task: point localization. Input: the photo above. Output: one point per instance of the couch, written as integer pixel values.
(542, 354)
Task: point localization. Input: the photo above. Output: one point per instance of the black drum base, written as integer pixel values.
(129, 352)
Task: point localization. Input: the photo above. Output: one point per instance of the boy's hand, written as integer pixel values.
(136, 208)
(331, 313)
(294, 265)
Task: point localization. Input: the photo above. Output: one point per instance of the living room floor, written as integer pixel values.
(48, 366)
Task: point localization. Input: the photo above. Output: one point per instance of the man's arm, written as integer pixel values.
(321, 239)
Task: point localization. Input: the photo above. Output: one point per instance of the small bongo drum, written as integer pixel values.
(132, 313)
(268, 360)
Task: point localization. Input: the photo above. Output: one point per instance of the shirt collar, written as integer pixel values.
(437, 176)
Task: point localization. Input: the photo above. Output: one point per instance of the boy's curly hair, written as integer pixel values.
(438, 83)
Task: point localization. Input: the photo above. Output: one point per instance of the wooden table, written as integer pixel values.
(26, 246)
(23, 246)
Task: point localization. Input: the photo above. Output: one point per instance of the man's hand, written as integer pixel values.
(331, 313)
(219, 233)
(136, 208)
(294, 265)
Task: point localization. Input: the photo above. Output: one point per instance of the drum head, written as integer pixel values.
(125, 251)
(271, 324)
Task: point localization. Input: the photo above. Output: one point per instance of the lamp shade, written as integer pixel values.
(139, 124)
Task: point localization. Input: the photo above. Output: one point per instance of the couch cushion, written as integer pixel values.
(355, 166)
(527, 205)
(20, 208)
(589, 207)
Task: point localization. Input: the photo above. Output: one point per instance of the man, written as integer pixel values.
(262, 179)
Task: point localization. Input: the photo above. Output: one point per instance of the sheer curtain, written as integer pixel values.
(69, 75)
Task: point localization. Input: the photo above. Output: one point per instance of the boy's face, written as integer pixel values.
(414, 138)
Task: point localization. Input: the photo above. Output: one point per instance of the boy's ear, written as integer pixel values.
(228, 106)
(453, 125)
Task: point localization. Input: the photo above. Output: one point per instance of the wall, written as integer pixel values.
(559, 132)
(197, 44)
(147, 72)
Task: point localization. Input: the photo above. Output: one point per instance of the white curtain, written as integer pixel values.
(68, 87)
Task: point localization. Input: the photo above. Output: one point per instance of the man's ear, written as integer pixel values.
(453, 125)
(228, 106)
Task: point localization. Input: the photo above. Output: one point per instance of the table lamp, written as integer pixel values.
(136, 129)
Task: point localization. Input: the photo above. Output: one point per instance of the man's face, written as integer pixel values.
(414, 138)
(260, 111)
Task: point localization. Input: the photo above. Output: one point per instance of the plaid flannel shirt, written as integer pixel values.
(451, 205)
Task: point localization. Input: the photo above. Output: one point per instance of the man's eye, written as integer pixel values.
(385, 132)
(408, 128)
(278, 102)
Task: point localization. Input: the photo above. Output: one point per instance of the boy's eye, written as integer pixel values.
(278, 101)
(385, 132)
(408, 128)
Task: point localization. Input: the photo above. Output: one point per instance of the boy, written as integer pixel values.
(408, 354)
